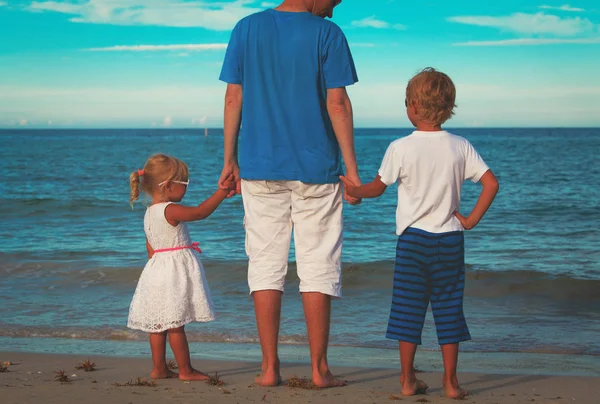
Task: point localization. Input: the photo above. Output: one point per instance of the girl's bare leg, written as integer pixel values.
(181, 350)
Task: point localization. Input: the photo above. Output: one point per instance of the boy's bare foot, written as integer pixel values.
(413, 386)
(163, 374)
(268, 379)
(452, 389)
(193, 376)
(326, 380)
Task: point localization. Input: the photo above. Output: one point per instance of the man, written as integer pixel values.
(289, 66)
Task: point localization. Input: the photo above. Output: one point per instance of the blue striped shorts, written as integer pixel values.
(430, 267)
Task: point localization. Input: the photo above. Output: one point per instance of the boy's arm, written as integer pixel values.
(373, 189)
(175, 213)
(149, 249)
(488, 193)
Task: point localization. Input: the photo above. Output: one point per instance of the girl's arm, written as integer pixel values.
(373, 189)
(149, 248)
(175, 213)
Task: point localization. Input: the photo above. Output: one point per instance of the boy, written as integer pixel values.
(430, 166)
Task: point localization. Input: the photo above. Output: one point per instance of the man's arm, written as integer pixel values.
(373, 189)
(339, 109)
(233, 118)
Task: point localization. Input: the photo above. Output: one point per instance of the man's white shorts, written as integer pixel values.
(314, 211)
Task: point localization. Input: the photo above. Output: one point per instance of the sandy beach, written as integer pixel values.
(31, 379)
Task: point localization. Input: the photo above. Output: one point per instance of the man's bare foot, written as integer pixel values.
(413, 386)
(268, 379)
(163, 374)
(452, 390)
(326, 380)
(193, 376)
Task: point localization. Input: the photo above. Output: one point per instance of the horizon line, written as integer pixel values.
(221, 128)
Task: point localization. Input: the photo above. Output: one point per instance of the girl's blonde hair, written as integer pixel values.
(158, 168)
(435, 94)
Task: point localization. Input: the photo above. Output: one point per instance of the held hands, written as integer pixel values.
(229, 184)
(230, 179)
(464, 221)
(351, 183)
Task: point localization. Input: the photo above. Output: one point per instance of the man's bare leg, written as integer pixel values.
(450, 381)
(267, 307)
(317, 310)
(410, 384)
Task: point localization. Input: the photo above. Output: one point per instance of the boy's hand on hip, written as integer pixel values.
(464, 221)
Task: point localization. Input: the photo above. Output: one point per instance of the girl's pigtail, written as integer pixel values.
(134, 184)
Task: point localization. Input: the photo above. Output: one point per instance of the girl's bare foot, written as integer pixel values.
(163, 374)
(193, 376)
(413, 386)
(326, 380)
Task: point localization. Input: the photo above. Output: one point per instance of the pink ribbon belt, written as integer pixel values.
(193, 246)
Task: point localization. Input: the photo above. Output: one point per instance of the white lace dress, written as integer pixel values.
(172, 290)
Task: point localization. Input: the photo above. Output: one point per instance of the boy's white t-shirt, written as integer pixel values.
(430, 168)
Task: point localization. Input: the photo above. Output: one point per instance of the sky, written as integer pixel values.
(155, 63)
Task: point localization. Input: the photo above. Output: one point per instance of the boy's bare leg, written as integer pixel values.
(267, 308)
(181, 350)
(451, 387)
(158, 347)
(410, 384)
(317, 310)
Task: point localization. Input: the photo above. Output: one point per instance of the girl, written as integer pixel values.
(172, 289)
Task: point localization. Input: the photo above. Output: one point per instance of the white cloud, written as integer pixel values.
(267, 4)
(530, 41)
(3, 3)
(214, 15)
(151, 48)
(536, 24)
(565, 7)
(167, 121)
(23, 122)
(121, 104)
(373, 22)
(199, 121)
(500, 104)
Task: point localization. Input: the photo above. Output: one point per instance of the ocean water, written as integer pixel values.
(72, 249)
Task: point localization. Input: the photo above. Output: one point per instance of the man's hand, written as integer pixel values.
(351, 181)
(464, 221)
(230, 179)
(229, 184)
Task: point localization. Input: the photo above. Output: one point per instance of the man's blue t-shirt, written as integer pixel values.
(285, 62)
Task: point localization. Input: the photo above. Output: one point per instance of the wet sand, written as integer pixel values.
(31, 379)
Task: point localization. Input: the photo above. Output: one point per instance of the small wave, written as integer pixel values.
(489, 284)
(124, 334)
(43, 206)
(374, 276)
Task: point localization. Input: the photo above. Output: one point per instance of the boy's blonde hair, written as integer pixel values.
(434, 94)
(158, 168)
